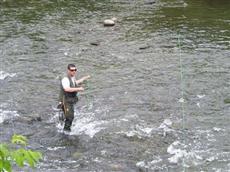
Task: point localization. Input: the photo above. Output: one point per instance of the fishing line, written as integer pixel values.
(182, 99)
(87, 96)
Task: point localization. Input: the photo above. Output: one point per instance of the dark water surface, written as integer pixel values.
(156, 100)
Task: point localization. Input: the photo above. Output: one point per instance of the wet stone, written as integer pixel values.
(227, 100)
(96, 43)
(109, 22)
(144, 47)
(150, 2)
(116, 167)
(77, 155)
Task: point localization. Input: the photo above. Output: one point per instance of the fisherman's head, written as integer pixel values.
(71, 69)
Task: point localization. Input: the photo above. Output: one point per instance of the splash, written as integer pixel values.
(6, 114)
(4, 75)
(166, 126)
(86, 124)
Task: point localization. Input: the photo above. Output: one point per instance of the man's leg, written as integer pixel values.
(69, 116)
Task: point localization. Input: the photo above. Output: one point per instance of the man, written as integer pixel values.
(68, 94)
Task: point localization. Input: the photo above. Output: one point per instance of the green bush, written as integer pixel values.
(17, 153)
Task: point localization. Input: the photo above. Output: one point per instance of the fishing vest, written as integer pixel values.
(68, 97)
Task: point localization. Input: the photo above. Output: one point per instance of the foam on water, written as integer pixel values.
(200, 96)
(186, 153)
(139, 131)
(55, 148)
(84, 123)
(181, 100)
(4, 75)
(166, 126)
(145, 130)
(201, 150)
(217, 129)
(181, 155)
(6, 114)
(176, 152)
(151, 164)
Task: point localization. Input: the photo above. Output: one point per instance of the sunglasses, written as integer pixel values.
(73, 70)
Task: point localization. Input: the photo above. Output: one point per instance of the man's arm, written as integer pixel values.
(82, 79)
(67, 88)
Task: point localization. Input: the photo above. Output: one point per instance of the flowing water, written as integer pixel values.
(158, 97)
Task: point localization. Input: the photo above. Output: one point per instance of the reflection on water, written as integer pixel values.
(130, 116)
(198, 21)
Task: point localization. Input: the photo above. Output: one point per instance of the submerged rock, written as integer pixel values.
(77, 155)
(227, 100)
(95, 43)
(142, 47)
(149, 2)
(116, 167)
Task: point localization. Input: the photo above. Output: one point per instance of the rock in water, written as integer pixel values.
(227, 100)
(149, 2)
(109, 22)
(96, 43)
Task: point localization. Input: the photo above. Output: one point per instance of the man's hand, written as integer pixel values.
(87, 77)
(82, 79)
(80, 89)
(60, 105)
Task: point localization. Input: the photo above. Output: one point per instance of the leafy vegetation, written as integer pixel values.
(17, 153)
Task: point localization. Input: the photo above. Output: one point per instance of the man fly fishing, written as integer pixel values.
(68, 94)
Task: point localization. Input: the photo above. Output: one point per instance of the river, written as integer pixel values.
(158, 96)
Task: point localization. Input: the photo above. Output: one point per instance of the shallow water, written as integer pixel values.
(155, 101)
